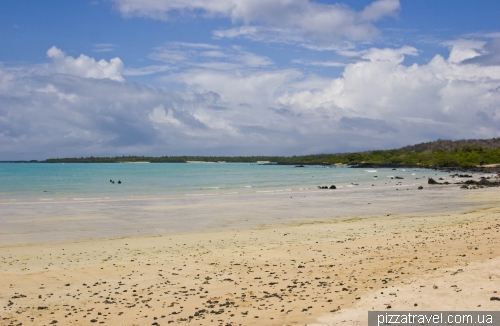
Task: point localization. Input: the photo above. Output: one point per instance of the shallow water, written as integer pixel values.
(53, 202)
(45, 182)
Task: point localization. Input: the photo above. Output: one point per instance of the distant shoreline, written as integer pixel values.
(489, 168)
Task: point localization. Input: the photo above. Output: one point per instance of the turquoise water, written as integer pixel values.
(74, 181)
(58, 202)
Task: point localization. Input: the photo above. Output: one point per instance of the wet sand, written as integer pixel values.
(322, 271)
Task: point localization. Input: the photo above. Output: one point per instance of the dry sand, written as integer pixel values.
(319, 273)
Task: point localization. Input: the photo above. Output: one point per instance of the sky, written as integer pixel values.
(244, 77)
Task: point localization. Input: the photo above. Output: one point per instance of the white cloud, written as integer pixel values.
(85, 66)
(104, 47)
(320, 63)
(378, 102)
(5, 80)
(288, 20)
(383, 89)
(208, 56)
(51, 89)
(160, 116)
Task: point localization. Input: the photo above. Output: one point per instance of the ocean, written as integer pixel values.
(57, 181)
(53, 202)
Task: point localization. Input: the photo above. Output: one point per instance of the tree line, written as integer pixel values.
(461, 153)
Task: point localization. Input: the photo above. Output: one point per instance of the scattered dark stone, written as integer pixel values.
(333, 187)
(464, 187)
(398, 178)
(93, 320)
(119, 181)
(415, 304)
(431, 181)
(299, 166)
(484, 182)
(54, 322)
(43, 308)
(420, 188)
(494, 299)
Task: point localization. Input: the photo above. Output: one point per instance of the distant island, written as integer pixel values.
(470, 153)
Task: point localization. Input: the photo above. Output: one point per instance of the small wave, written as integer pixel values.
(248, 186)
(371, 171)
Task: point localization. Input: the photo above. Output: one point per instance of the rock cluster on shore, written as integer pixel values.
(470, 184)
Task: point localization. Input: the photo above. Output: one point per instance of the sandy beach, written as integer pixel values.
(317, 272)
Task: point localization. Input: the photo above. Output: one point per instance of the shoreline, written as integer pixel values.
(59, 221)
(287, 274)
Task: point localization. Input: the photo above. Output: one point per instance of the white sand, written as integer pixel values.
(323, 271)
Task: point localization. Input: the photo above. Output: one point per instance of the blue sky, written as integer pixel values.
(235, 77)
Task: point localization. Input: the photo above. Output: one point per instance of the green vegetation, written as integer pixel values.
(440, 153)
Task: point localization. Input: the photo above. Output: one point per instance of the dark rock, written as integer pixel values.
(333, 187)
(420, 188)
(398, 178)
(299, 166)
(119, 181)
(483, 182)
(494, 299)
(431, 181)
(464, 187)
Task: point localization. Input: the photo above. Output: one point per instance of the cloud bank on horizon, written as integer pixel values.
(282, 77)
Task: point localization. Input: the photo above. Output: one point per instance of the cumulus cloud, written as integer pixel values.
(377, 102)
(285, 20)
(488, 55)
(85, 66)
(412, 99)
